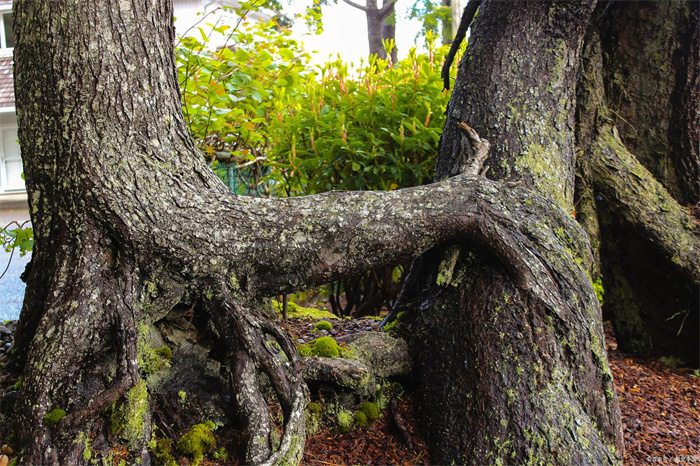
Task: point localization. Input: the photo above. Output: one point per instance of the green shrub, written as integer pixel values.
(302, 129)
(323, 325)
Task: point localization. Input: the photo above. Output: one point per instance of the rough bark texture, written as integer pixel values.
(133, 232)
(638, 166)
(519, 379)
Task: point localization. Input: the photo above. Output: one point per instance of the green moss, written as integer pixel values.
(599, 291)
(345, 421)
(17, 385)
(151, 360)
(129, 419)
(392, 325)
(198, 441)
(220, 455)
(164, 352)
(295, 311)
(360, 419)
(54, 416)
(324, 347)
(323, 325)
(304, 350)
(370, 410)
(315, 407)
(162, 450)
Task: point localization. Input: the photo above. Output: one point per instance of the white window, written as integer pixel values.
(10, 161)
(7, 32)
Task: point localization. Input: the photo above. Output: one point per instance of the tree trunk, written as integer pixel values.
(138, 243)
(389, 29)
(515, 381)
(381, 25)
(637, 118)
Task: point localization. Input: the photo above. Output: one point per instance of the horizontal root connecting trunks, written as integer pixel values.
(296, 243)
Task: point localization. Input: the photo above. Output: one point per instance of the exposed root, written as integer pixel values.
(257, 345)
(633, 192)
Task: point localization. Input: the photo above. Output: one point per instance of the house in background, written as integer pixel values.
(12, 193)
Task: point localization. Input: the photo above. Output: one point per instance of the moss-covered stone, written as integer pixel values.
(325, 347)
(323, 325)
(370, 410)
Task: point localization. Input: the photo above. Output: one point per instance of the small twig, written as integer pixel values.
(480, 146)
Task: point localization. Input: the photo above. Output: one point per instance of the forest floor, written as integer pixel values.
(660, 412)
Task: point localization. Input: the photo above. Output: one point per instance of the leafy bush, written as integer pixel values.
(293, 129)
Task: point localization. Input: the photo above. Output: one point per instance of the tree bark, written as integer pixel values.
(516, 381)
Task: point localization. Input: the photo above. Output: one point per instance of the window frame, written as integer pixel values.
(4, 51)
(4, 181)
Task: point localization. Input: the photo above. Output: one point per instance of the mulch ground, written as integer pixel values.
(660, 413)
(660, 409)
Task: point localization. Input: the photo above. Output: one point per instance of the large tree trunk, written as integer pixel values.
(133, 231)
(638, 130)
(516, 381)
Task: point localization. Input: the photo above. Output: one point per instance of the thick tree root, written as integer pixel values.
(259, 346)
(633, 192)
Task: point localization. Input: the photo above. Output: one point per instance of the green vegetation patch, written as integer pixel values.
(198, 441)
(54, 416)
(324, 347)
(129, 419)
(162, 450)
(296, 311)
(360, 419)
(371, 410)
(323, 325)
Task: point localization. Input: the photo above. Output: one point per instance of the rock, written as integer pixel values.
(4, 460)
(347, 373)
(385, 355)
(5, 331)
